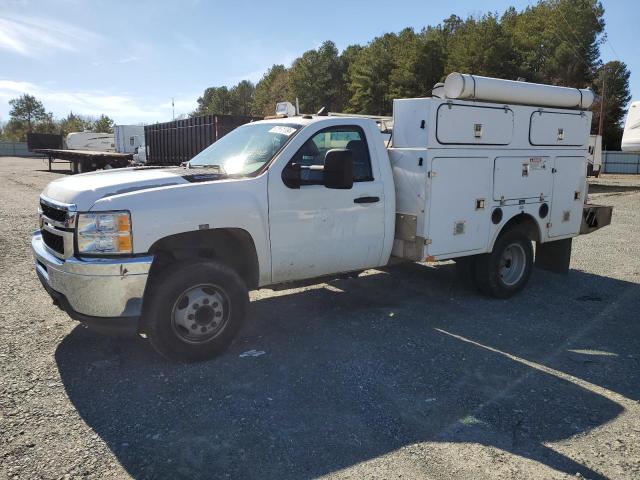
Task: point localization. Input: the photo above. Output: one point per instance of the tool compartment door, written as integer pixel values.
(568, 196)
(555, 128)
(459, 206)
(517, 178)
(474, 125)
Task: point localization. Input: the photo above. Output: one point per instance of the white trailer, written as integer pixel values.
(631, 135)
(128, 138)
(91, 141)
(173, 252)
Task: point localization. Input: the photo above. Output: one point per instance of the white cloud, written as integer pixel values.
(286, 58)
(123, 108)
(129, 59)
(33, 36)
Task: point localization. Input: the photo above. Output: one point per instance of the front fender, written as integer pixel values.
(165, 211)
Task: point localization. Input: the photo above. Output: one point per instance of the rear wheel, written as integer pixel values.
(506, 270)
(195, 310)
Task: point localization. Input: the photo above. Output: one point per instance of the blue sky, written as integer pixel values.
(129, 58)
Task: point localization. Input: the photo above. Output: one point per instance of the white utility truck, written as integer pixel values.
(476, 176)
(140, 155)
(594, 156)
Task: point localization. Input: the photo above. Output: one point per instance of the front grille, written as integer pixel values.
(53, 241)
(57, 214)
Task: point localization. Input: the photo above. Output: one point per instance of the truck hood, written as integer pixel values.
(85, 189)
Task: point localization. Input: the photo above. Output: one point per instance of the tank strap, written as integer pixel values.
(580, 104)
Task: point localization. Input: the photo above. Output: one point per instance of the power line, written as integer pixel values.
(615, 54)
(606, 37)
(577, 55)
(569, 25)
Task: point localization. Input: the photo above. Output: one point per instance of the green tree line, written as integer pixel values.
(28, 115)
(554, 41)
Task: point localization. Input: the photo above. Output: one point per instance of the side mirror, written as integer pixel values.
(291, 175)
(338, 169)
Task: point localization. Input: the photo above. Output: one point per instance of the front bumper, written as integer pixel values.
(102, 292)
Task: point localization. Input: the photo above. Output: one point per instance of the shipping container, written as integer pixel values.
(172, 143)
(43, 140)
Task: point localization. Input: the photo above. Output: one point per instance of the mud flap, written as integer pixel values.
(595, 217)
(554, 256)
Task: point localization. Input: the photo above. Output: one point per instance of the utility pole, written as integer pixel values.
(173, 109)
(602, 98)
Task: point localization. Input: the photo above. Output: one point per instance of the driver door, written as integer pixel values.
(318, 231)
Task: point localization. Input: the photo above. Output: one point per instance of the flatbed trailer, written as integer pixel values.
(86, 160)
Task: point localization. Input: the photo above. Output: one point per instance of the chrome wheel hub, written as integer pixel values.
(200, 313)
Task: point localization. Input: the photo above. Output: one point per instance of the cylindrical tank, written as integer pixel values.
(464, 86)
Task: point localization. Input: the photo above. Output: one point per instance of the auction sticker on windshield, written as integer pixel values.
(282, 130)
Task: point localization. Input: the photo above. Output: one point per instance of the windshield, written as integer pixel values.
(245, 149)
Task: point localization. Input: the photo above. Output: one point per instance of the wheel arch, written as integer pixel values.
(523, 221)
(233, 247)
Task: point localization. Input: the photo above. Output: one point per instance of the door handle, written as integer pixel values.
(366, 200)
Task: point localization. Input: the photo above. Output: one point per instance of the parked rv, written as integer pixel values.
(98, 142)
(631, 135)
(477, 176)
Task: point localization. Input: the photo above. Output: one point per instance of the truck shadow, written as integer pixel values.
(361, 368)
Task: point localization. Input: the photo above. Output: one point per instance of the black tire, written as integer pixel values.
(169, 336)
(493, 275)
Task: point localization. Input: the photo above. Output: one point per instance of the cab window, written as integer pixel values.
(315, 149)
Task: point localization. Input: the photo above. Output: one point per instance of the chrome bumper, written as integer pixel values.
(94, 287)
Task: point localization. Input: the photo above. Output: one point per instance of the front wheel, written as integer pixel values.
(195, 310)
(506, 270)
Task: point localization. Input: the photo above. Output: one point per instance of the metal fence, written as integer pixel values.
(621, 162)
(15, 149)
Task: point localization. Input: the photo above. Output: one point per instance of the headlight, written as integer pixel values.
(104, 233)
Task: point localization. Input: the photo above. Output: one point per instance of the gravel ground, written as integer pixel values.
(402, 373)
